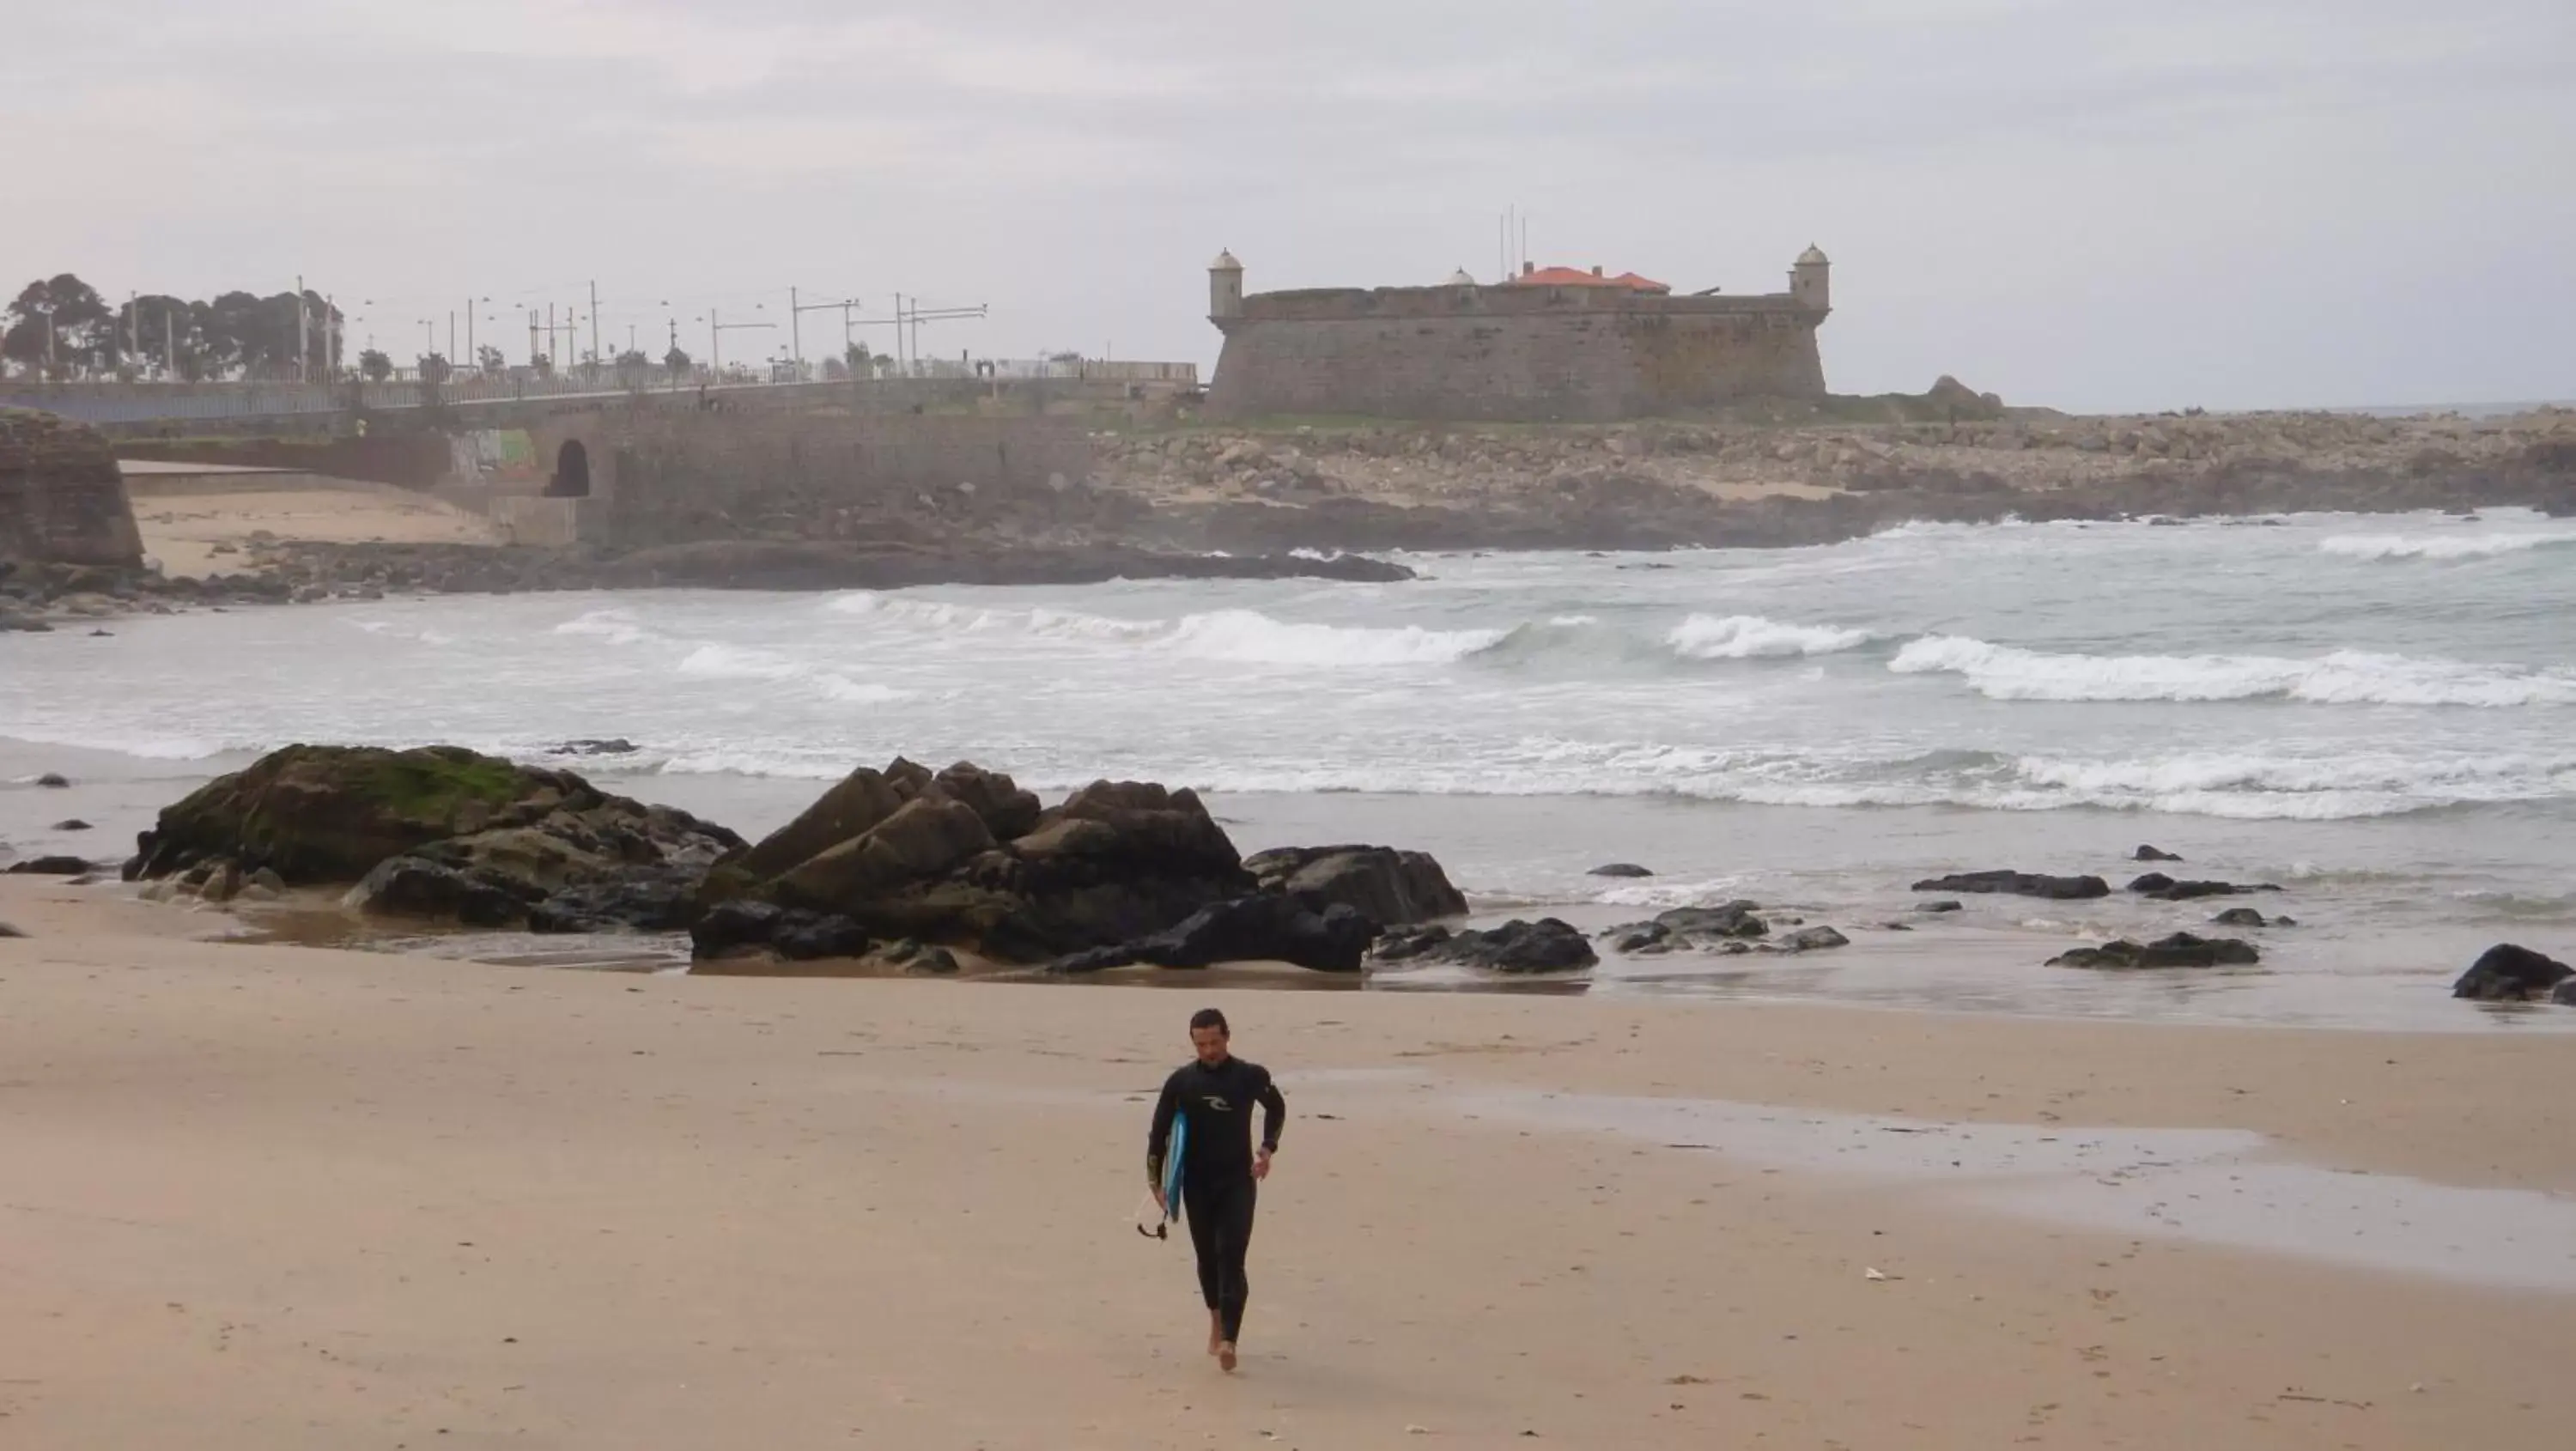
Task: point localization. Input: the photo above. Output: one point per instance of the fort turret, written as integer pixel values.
(1225, 289)
(1812, 280)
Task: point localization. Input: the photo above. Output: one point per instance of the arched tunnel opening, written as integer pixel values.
(572, 472)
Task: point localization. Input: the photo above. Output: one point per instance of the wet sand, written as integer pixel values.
(280, 1197)
(2375, 949)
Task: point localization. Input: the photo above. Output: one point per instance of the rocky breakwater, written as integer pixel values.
(44, 597)
(1118, 873)
(436, 833)
(1852, 467)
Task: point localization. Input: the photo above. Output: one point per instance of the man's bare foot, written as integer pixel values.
(1216, 1333)
(1225, 1356)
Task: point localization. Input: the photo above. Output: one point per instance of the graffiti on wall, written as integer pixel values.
(496, 455)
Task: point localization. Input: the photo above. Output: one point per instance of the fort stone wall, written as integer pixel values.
(1575, 367)
(1525, 352)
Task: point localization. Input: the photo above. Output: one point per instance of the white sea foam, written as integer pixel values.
(1242, 636)
(1249, 636)
(1752, 637)
(742, 662)
(617, 627)
(2345, 677)
(2440, 546)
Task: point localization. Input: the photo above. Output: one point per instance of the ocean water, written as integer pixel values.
(2373, 712)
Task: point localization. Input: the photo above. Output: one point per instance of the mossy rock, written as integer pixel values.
(331, 813)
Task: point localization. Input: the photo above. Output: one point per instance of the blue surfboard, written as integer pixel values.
(1172, 1166)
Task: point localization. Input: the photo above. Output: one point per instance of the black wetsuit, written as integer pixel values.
(1217, 1190)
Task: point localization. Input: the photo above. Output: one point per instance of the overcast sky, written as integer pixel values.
(2235, 203)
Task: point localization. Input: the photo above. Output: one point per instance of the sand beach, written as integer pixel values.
(268, 1196)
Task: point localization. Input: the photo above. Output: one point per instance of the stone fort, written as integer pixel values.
(1547, 345)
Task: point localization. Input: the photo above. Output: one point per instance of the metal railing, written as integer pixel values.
(119, 402)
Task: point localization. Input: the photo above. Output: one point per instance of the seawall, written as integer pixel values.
(62, 498)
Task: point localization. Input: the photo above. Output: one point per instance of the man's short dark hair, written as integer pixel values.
(1209, 1018)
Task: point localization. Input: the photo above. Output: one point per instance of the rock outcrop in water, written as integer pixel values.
(2181, 949)
(2508, 973)
(1728, 928)
(2020, 884)
(439, 833)
(2156, 886)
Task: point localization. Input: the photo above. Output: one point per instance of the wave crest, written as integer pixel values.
(2345, 677)
(1239, 636)
(1754, 637)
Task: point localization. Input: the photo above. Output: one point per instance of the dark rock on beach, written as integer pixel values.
(330, 814)
(647, 900)
(2241, 917)
(1815, 939)
(1683, 928)
(1547, 945)
(8, 931)
(1295, 928)
(1388, 887)
(958, 859)
(1118, 873)
(74, 824)
(1937, 908)
(1620, 869)
(412, 888)
(52, 782)
(49, 866)
(732, 928)
(966, 858)
(2506, 973)
(2020, 884)
(2182, 949)
(439, 834)
(2154, 854)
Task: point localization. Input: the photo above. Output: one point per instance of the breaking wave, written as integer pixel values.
(1752, 637)
(1241, 636)
(2345, 677)
(1250, 637)
(2440, 546)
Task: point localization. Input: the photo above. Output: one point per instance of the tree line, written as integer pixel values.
(62, 328)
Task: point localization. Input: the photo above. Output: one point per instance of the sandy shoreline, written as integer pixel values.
(281, 1197)
(200, 520)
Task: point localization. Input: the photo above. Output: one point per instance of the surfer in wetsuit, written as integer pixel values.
(1214, 1095)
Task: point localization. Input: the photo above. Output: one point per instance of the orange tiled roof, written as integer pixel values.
(1577, 277)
